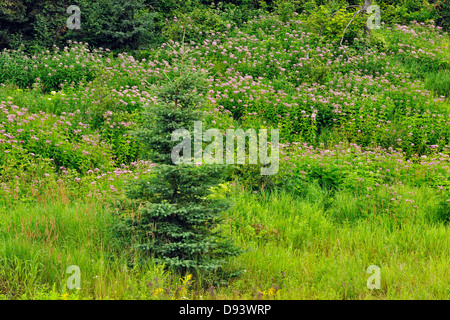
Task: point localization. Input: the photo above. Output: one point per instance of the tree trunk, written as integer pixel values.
(367, 4)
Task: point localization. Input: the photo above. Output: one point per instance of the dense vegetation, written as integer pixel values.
(364, 160)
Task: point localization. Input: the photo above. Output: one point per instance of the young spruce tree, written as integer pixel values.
(179, 221)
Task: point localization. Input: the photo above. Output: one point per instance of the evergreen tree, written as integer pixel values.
(114, 24)
(178, 221)
(117, 24)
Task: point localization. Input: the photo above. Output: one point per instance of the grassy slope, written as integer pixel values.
(314, 244)
(294, 251)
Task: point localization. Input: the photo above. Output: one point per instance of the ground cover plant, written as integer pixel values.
(364, 156)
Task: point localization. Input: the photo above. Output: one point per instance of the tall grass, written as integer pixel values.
(439, 82)
(296, 248)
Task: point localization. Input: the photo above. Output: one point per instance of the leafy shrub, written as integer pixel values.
(284, 8)
(68, 144)
(332, 26)
(49, 69)
(196, 25)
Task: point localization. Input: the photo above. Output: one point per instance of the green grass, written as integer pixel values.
(305, 254)
(39, 241)
(439, 83)
(295, 249)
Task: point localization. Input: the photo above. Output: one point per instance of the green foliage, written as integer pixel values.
(17, 19)
(49, 138)
(113, 24)
(363, 160)
(197, 24)
(284, 8)
(48, 69)
(439, 82)
(177, 224)
(442, 11)
(331, 25)
(406, 11)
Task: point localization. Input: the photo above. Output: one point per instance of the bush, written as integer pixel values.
(331, 25)
(60, 140)
(49, 69)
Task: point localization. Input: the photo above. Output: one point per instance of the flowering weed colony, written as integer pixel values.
(364, 163)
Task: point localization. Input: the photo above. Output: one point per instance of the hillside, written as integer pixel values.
(364, 154)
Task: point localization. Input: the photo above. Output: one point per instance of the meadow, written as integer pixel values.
(364, 162)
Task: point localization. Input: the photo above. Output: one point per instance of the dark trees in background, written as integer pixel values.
(125, 24)
(135, 24)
